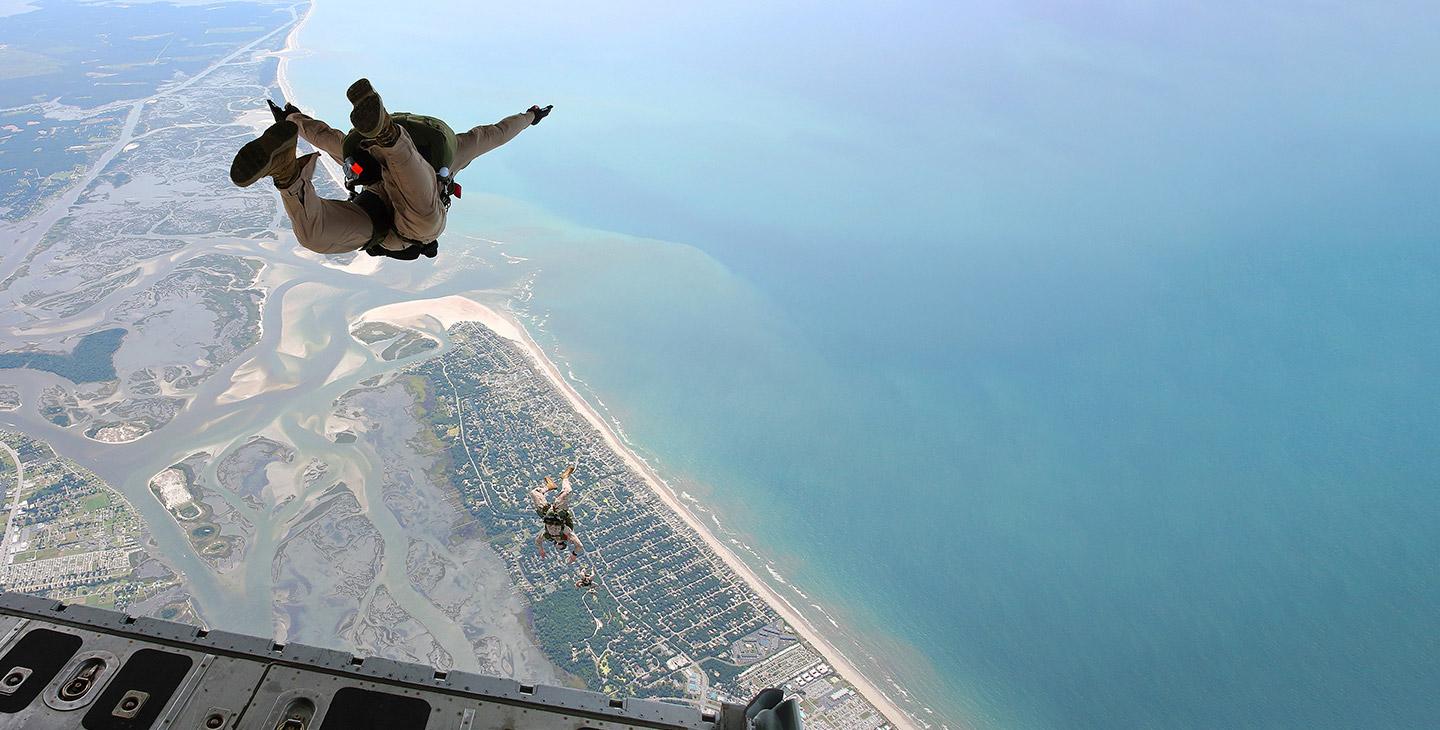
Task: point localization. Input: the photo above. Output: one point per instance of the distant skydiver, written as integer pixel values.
(559, 524)
(405, 163)
(586, 580)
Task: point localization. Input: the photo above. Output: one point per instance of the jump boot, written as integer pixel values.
(369, 116)
(273, 155)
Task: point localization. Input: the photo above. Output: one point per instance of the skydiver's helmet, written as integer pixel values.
(555, 519)
(361, 168)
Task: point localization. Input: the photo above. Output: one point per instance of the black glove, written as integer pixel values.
(540, 113)
(281, 112)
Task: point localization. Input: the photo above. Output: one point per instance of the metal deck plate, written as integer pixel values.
(101, 670)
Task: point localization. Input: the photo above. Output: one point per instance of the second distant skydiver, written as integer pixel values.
(405, 163)
(586, 579)
(559, 525)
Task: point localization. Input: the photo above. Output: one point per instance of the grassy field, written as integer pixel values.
(18, 64)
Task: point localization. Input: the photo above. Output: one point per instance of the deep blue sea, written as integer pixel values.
(1079, 358)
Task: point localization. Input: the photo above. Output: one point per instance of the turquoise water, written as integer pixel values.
(1078, 358)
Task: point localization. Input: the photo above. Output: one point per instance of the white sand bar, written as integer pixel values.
(444, 312)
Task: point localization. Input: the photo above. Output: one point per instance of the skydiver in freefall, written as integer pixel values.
(586, 580)
(559, 524)
(405, 163)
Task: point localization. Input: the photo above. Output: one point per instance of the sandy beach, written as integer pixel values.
(359, 265)
(445, 311)
(282, 79)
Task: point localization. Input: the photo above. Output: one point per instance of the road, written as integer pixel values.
(14, 504)
(25, 237)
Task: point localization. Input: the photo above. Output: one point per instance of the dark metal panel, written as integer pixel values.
(31, 664)
(354, 708)
(26, 603)
(94, 616)
(221, 691)
(137, 695)
(482, 684)
(234, 674)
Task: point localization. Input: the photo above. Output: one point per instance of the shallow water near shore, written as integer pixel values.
(1080, 377)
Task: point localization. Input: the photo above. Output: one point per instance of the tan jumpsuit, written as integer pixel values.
(562, 501)
(408, 184)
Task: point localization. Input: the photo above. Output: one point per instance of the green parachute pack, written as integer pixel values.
(433, 138)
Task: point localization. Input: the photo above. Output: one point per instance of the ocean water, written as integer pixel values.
(1079, 359)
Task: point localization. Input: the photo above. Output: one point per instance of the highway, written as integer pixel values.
(14, 503)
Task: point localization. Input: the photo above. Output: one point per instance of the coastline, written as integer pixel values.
(361, 265)
(282, 79)
(447, 310)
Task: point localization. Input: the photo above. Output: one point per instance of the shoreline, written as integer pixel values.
(361, 265)
(454, 308)
(282, 79)
(797, 621)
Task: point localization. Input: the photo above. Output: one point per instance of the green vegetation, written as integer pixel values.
(56, 415)
(373, 332)
(91, 362)
(565, 629)
(420, 389)
(18, 64)
(720, 672)
(410, 344)
(188, 472)
(562, 621)
(72, 514)
(31, 555)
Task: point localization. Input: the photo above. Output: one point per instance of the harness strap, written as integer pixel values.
(382, 220)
